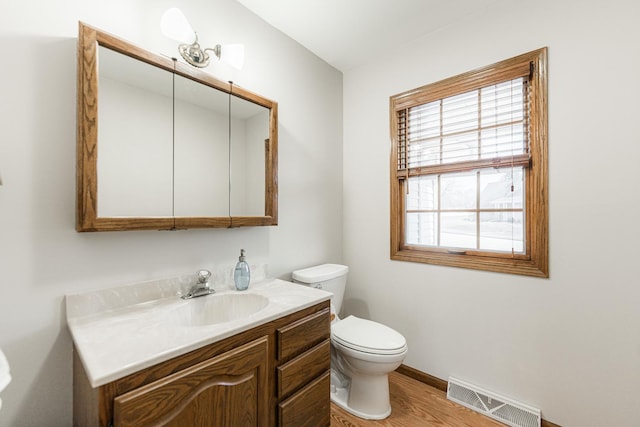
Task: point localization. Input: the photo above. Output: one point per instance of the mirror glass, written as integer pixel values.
(162, 145)
(135, 133)
(201, 150)
(249, 134)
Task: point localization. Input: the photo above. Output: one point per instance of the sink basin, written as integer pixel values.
(219, 308)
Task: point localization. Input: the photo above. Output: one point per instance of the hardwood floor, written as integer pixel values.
(415, 404)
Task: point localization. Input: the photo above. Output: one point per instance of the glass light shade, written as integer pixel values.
(5, 377)
(175, 26)
(232, 54)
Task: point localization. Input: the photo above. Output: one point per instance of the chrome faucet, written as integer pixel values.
(201, 288)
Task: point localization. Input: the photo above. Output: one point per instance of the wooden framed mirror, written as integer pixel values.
(162, 145)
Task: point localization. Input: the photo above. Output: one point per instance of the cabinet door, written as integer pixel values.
(227, 390)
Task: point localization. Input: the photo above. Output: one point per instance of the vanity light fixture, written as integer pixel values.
(175, 26)
(5, 376)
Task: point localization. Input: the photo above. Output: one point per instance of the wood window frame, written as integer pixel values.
(535, 260)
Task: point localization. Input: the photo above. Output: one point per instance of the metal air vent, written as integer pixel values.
(498, 407)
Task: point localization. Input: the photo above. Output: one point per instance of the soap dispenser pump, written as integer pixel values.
(241, 274)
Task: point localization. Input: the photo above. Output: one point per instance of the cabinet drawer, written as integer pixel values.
(310, 407)
(303, 334)
(299, 371)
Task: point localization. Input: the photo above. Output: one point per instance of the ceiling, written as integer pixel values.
(347, 33)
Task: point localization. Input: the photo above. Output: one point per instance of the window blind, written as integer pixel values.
(484, 127)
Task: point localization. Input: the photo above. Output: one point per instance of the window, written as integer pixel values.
(469, 169)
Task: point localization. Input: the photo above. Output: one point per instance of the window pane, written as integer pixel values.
(503, 141)
(423, 193)
(495, 188)
(501, 231)
(460, 147)
(422, 229)
(424, 121)
(460, 112)
(502, 103)
(459, 191)
(424, 153)
(458, 230)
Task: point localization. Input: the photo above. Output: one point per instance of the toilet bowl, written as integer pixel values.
(363, 352)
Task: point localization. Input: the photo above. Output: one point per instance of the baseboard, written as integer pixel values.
(441, 384)
(427, 379)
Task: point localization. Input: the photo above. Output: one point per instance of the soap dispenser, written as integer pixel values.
(241, 274)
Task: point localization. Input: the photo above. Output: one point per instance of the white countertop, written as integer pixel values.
(120, 331)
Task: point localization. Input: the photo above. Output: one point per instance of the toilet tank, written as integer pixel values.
(329, 277)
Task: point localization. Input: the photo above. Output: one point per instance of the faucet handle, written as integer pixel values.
(203, 276)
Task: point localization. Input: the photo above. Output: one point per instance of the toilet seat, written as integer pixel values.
(367, 336)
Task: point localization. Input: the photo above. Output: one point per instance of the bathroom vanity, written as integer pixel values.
(156, 362)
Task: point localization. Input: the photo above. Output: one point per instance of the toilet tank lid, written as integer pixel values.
(320, 273)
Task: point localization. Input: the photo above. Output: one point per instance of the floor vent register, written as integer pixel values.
(498, 407)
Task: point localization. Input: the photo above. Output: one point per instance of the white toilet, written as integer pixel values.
(363, 352)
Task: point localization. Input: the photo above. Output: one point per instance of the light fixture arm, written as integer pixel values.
(217, 50)
(196, 56)
(174, 25)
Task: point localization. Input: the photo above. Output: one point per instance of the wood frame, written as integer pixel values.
(87, 218)
(535, 262)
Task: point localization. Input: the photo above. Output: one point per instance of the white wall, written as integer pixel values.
(42, 257)
(570, 344)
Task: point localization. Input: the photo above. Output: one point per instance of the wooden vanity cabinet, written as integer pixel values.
(276, 374)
